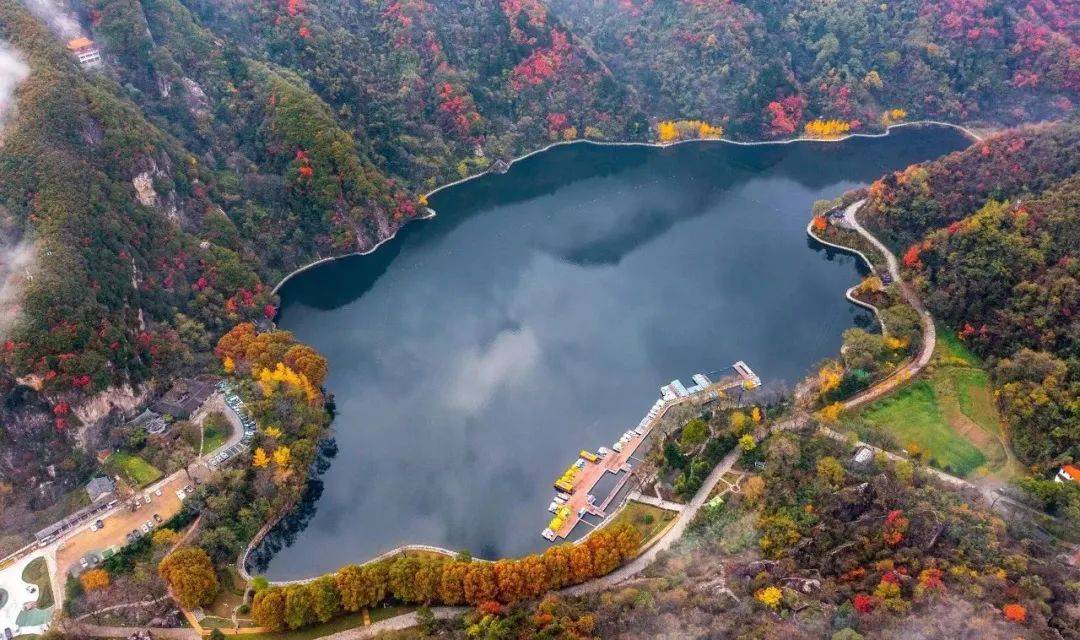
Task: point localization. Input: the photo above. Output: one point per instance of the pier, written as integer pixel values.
(576, 499)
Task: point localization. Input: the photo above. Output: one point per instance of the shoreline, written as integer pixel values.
(848, 293)
(967, 132)
(404, 548)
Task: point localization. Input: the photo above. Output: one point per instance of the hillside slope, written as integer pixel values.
(222, 144)
(991, 236)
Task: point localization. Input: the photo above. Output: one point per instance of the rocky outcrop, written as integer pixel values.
(96, 407)
(144, 189)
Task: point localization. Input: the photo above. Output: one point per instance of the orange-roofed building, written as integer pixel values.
(1068, 473)
(85, 51)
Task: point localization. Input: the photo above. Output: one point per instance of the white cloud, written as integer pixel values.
(483, 371)
(12, 71)
(58, 20)
(15, 262)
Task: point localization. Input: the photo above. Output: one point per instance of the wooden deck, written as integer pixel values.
(617, 461)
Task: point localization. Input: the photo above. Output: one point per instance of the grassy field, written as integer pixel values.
(37, 572)
(914, 417)
(949, 414)
(229, 597)
(137, 471)
(647, 519)
(214, 435)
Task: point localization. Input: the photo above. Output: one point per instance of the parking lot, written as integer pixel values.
(121, 522)
(241, 418)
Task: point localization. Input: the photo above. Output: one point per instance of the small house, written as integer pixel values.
(85, 51)
(100, 488)
(1068, 473)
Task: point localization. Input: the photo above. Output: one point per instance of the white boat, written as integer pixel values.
(548, 534)
(553, 507)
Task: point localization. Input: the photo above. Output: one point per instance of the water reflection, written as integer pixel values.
(473, 356)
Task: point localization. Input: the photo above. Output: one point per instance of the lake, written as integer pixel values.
(539, 313)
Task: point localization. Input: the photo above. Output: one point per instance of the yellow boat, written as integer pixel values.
(588, 455)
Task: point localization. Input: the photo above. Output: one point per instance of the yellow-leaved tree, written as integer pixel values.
(281, 456)
(666, 131)
(93, 579)
(893, 116)
(259, 459)
(826, 128)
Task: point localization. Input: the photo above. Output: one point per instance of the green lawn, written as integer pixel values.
(137, 471)
(647, 519)
(215, 433)
(977, 399)
(912, 415)
(949, 346)
(37, 572)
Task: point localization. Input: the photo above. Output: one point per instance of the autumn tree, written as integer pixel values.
(479, 583)
(452, 583)
(830, 472)
(510, 580)
(535, 575)
(402, 575)
(557, 563)
(299, 606)
(326, 601)
(190, 576)
(268, 609)
(306, 361)
(358, 588)
(427, 579)
(581, 564)
(93, 579)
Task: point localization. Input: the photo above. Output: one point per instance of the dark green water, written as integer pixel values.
(538, 314)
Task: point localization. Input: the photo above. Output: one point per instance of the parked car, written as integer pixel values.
(147, 526)
(157, 518)
(94, 526)
(135, 533)
(157, 492)
(83, 563)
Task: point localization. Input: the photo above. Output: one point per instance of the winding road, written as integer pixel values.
(929, 337)
(687, 514)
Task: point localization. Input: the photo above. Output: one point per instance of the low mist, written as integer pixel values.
(12, 71)
(62, 24)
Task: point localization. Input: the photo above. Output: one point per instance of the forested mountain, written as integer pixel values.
(224, 143)
(991, 236)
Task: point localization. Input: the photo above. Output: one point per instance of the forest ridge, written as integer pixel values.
(223, 144)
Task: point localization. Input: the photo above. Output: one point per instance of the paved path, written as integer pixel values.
(682, 521)
(396, 623)
(98, 631)
(655, 501)
(929, 337)
(113, 534)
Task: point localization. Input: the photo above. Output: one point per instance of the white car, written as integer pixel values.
(157, 492)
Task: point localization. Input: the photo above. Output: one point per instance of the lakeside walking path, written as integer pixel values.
(929, 331)
(689, 511)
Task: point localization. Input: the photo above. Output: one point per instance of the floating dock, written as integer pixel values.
(576, 484)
